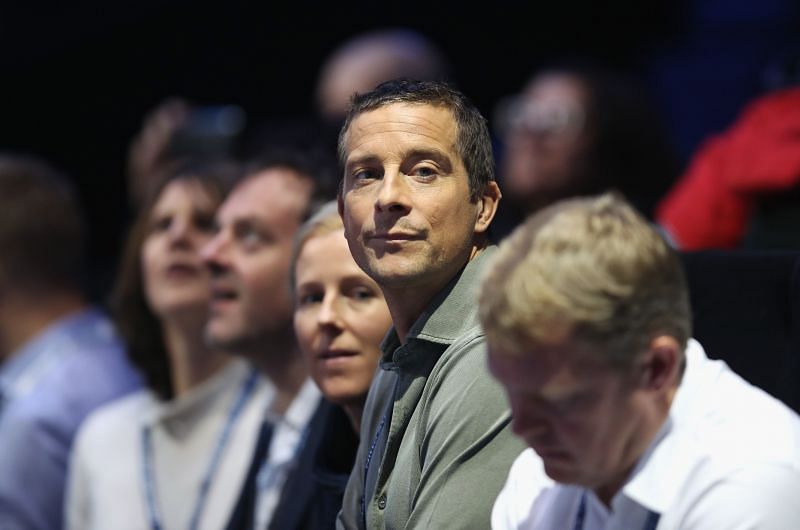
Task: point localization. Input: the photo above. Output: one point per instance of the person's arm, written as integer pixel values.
(33, 454)
(467, 447)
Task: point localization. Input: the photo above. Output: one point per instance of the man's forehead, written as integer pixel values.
(272, 193)
(433, 122)
(548, 359)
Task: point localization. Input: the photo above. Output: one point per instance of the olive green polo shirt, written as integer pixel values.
(436, 444)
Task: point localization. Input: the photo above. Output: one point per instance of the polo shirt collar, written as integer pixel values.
(451, 313)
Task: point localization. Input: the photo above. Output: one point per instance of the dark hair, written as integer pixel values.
(135, 320)
(42, 238)
(294, 146)
(473, 143)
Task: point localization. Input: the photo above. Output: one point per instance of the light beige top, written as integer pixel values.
(105, 486)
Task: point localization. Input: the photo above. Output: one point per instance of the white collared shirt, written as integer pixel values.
(728, 456)
(286, 443)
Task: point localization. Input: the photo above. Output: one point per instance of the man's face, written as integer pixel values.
(406, 206)
(249, 260)
(580, 415)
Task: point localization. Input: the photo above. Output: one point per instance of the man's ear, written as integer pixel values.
(487, 206)
(662, 363)
(340, 203)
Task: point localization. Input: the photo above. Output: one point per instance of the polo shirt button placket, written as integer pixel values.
(382, 502)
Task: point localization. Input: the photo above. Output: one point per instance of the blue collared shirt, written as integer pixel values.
(47, 388)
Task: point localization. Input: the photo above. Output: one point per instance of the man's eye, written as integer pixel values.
(365, 174)
(571, 403)
(425, 172)
(249, 237)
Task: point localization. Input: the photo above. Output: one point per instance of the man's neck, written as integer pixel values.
(405, 309)
(283, 365)
(24, 317)
(408, 302)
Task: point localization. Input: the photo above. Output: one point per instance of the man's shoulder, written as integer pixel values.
(756, 494)
(731, 419)
(463, 366)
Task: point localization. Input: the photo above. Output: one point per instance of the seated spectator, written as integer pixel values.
(630, 424)
(60, 357)
(577, 130)
(366, 60)
(370, 58)
(251, 311)
(737, 177)
(417, 199)
(173, 455)
(340, 318)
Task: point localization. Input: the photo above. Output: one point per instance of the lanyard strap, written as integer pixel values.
(148, 466)
(366, 468)
(581, 516)
(650, 524)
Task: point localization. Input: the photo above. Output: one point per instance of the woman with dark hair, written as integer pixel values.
(173, 455)
(576, 129)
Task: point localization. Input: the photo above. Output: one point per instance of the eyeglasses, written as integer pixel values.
(542, 117)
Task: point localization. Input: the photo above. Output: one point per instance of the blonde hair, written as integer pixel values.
(324, 221)
(588, 269)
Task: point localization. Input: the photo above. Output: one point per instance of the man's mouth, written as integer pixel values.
(222, 295)
(394, 237)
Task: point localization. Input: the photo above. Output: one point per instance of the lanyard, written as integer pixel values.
(579, 519)
(649, 524)
(148, 471)
(366, 468)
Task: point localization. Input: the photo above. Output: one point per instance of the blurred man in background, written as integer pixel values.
(60, 357)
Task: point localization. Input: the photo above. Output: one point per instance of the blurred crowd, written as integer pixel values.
(224, 380)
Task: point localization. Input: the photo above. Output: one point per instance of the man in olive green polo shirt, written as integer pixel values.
(417, 199)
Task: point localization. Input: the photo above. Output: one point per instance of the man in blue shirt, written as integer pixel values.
(60, 357)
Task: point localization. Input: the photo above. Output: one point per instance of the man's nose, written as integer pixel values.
(394, 192)
(214, 253)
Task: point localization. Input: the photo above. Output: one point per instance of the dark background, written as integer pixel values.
(78, 77)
